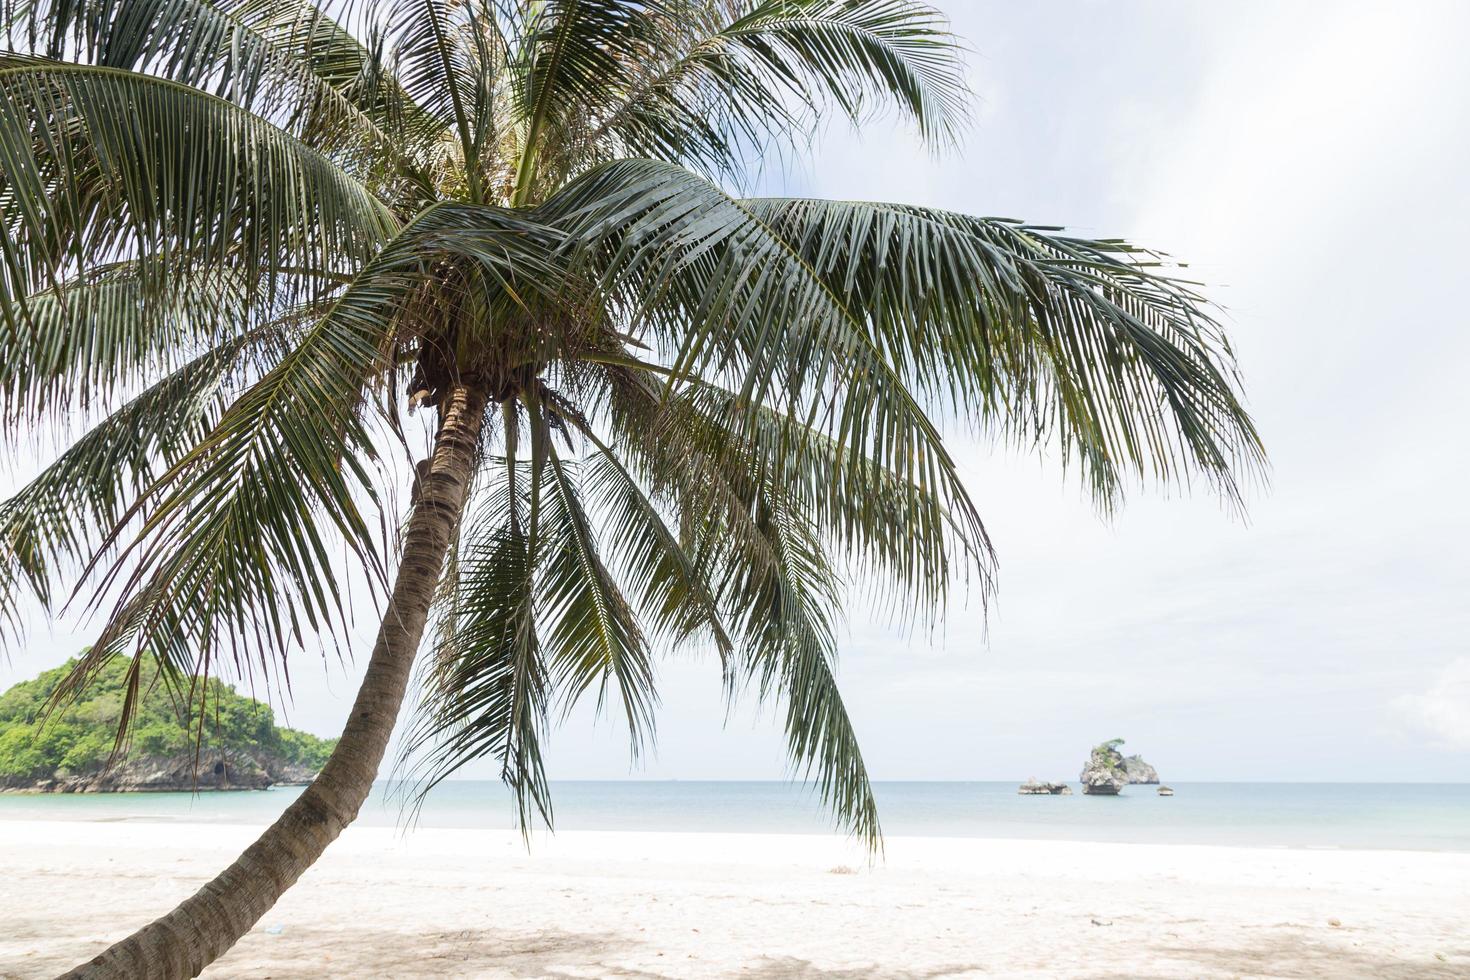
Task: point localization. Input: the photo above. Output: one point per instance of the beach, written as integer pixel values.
(439, 902)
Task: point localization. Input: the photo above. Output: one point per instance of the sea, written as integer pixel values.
(1405, 816)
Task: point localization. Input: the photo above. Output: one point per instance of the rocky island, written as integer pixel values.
(238, 747)
(1107, 771)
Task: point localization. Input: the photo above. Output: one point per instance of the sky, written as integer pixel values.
(1309, 162)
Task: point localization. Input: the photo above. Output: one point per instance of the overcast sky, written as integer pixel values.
(1312, 167)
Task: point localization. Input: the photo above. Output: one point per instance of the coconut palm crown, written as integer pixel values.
(243, 239)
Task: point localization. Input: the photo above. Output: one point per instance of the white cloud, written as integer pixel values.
(1443, 711)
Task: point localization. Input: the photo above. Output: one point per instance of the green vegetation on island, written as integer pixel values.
(239, 745)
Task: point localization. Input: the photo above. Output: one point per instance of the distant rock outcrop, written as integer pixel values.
(1033, 788)
(1165, 791)
(229, 769)
(1140, 772)
(1104, 774)
(156, 773)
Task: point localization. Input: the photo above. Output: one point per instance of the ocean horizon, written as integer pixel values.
(1397, 816)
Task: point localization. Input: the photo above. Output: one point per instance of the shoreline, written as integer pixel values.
(443, 902)
(407, 832)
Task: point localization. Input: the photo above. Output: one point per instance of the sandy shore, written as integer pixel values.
(454, 903)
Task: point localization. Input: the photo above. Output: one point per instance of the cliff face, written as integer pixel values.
(230, 769)
(66, 748)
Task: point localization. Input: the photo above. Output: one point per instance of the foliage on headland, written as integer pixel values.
(78, 737)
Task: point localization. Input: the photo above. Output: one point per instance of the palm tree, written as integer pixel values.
(241, 237)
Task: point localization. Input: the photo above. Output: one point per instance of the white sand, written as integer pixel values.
(444, 903)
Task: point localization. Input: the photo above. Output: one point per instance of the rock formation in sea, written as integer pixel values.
(1034, 788)
(1140, 771)
(1108, 770)
(1104, 775)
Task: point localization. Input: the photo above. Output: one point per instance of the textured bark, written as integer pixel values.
(204, 926)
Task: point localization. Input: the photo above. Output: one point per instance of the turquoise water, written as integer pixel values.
(1328, 815)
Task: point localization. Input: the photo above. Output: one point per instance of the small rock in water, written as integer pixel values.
(1334, 923)
(1165, 791)
(1034, 788)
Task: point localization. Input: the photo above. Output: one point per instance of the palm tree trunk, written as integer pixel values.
(204, 926)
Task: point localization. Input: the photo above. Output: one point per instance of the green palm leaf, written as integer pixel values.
(280, 58)
(234, 550)
(670, 592)
(896, 532)
(768, 556)
(722, 296)
(487, 690)
(729, 78)
(573, 54)
(54, 524)
(593, 633)
(76, 344)
(101, 164)
(1039, 333)
(791, 599)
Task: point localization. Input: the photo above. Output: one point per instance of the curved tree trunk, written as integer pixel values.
(204, 926)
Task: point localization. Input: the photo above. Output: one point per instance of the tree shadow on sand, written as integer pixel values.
(345, 953)
(1290, 959)
(793, 968)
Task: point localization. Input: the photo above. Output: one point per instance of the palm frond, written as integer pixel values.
(487, 690)
(790, 597)
(771, 568)
(592, 634)
(725, 79)
(100, 165)
(762, 527)
(54, 524)
(670, 591)
(76, 344)
(235, 549)
(1037, 333)
(902, 538)
(351, 59)
(723, 298)
(284, 59)
(452, 60)
(234, 546)
(572, 55)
